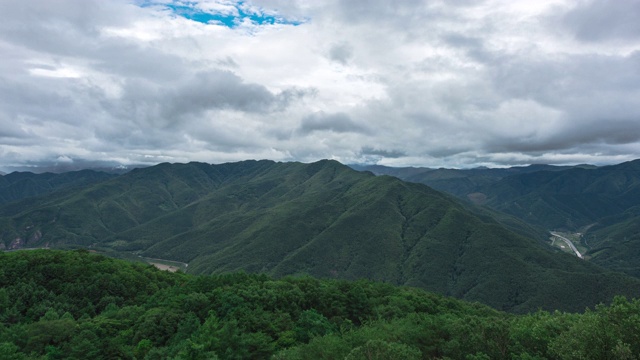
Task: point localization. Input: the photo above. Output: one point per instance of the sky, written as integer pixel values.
(457, 83)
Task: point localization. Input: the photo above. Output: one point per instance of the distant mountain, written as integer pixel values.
(602, 203)
(21, 185)
(569, 199)
(399, 172)
(322, 219)
(458, 182)
(110, 167)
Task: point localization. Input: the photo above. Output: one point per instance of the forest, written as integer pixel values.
(80, 305)
(321, 219)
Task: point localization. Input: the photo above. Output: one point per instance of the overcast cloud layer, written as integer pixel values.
(425, 83)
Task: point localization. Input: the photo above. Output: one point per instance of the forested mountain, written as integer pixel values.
(458, 182)
(322, 219)
(78, 305)
(601, 203)
(569, 199)
(21, 185)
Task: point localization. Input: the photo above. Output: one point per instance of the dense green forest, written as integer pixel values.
(79, 305)
(21, 185)
(459, 182)
(600, 203)
(321, 219)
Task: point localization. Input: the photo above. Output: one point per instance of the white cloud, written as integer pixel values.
(434, 83)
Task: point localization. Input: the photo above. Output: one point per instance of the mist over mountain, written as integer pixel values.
(68, 165)
(322, 219)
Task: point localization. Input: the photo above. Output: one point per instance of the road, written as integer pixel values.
(568, 242)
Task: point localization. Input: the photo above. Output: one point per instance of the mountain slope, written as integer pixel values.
(458, 182)
(601, 203)
(322, 219)
(21, 185)
(568, 199)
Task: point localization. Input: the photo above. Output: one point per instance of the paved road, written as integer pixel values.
(568, 242)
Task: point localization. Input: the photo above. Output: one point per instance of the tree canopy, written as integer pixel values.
(79, 305)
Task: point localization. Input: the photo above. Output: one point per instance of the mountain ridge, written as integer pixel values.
(600, 204)
(322, 219)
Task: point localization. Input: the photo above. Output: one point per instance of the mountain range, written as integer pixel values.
(323, 219)
(21, 185)
(601, 204)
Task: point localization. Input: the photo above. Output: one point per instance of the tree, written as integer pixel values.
(311, 324)
(382, 350)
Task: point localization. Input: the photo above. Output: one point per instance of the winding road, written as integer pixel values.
(568, 242)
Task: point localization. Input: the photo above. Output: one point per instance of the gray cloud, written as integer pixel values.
(217, 89)
(341, 53)
(393, 154)
(337, 122)
(65, 28)
(601, 20)
(385, 13)
(190, 98)
(439, 83)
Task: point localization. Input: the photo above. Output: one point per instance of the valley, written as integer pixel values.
(319, 180)
(600, 203)
(300, 261)
(321, 219)
(570, 243)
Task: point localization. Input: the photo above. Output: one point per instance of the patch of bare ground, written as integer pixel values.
(165, 267)
(477, 198)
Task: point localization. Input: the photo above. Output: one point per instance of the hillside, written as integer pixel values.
(21, 185)
(568, 199)
(600, 203)
(458, 182)
(78, 305)
(603, 204)
(322, 219)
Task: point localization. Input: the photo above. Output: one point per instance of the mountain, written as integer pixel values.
(21, 185)
(602, 204)
(111, 167)
(322, 219)
(569, 199)
(458, 182)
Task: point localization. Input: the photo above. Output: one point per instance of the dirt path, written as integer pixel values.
(165, 267)
(164, 264)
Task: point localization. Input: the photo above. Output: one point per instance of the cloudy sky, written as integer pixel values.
(425, 83)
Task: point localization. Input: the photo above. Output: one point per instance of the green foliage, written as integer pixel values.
(321, 219)
(382, 350)
(602, 201)
(311, 324)
(244, 316)
(21, 185)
